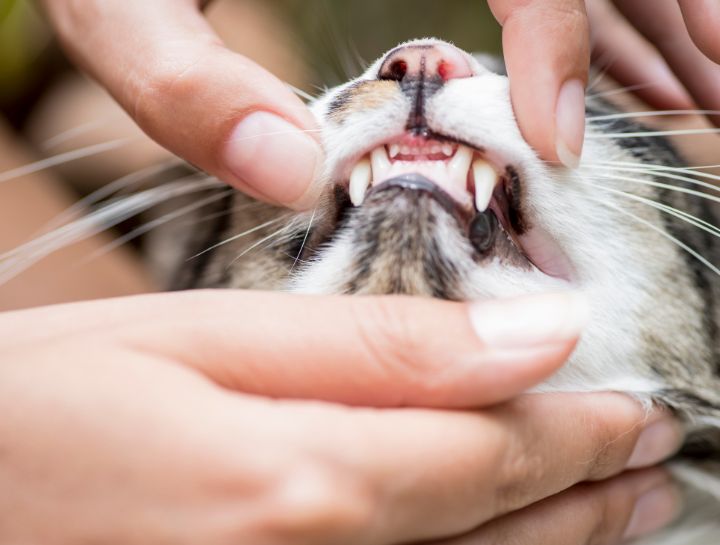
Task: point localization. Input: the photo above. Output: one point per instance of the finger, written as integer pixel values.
(702, 18)
(666, 30)
(645, 70)
(627, 507)
(547, 74)
(436, 474)
(383, 351)
(216, 109)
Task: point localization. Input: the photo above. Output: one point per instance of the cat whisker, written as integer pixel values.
(258, 243)
(22, 257)
(657, 113)
(680, 214)
(238, 236)
(627, 89)
(107, 190)
(158, 222)
(659, 174)
(65, 157)
(307, 234)
(299, 92)
(79, 130)
(660, 231)
(647, 134)
(669, 187)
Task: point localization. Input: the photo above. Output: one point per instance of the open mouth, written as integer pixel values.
(481, 195)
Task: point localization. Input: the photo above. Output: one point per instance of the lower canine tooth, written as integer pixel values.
(485, 180)
(359, 181)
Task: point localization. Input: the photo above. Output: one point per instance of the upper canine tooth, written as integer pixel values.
(380, 163)
(485, 180)
(393, 150)
(359, 181)
(460, 163)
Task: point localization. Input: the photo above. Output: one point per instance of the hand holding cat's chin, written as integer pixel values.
(226, 417)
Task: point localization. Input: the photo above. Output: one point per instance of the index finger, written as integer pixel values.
(547, 49)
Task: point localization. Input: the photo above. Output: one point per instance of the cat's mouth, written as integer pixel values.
(482, 196)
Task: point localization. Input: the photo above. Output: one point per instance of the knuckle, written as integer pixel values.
(314, 503)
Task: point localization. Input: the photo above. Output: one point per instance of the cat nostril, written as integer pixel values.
(398, 69)
(439, 61)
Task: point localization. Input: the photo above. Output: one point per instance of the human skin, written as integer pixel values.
(266, 418)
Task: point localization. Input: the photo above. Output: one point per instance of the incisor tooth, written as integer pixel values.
(393, 150)
(485, 180)
(447, 149)
(359, 181)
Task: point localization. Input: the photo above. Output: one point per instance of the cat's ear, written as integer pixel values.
(494, 63)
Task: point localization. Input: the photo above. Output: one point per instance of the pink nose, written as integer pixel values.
(426, 61)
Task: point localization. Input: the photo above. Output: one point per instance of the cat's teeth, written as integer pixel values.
(460, 164)
(485, 180)
(380, 163)
(447, 149)
(393, 150)
(359, 181)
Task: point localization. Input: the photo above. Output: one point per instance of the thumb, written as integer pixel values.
(369, 351)
(218, 110)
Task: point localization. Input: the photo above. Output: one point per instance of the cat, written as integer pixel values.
(430, 190)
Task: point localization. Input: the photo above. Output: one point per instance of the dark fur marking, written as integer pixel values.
(192, 276)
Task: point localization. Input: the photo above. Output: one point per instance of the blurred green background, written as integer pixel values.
(332, 37)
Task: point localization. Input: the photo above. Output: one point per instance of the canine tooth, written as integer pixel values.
(460, 163)
(447, 149)
(359, 181)
(485, 180)
(393, 150)
(380, 163)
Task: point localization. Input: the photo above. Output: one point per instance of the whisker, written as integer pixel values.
(646, 134)
(620, 90)
(679, 243)
(149, 226)
(22, 257)
(63, 158)
(659, 174)
(79, 130)
(299, 92)
(680, 214)
(258, 243)
(651, 114)
(239, 236)
(107, 190)
(649, 167)
(669, 187)
(307, 234)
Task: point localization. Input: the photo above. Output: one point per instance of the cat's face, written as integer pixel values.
(431, 190)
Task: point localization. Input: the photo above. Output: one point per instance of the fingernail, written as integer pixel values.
(276, 159)
(526, 322)
(654, 510)
(570, 123)
(662, 437)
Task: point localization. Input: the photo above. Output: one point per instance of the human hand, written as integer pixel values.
(237, 417)
(547, 50)
(216, 109)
